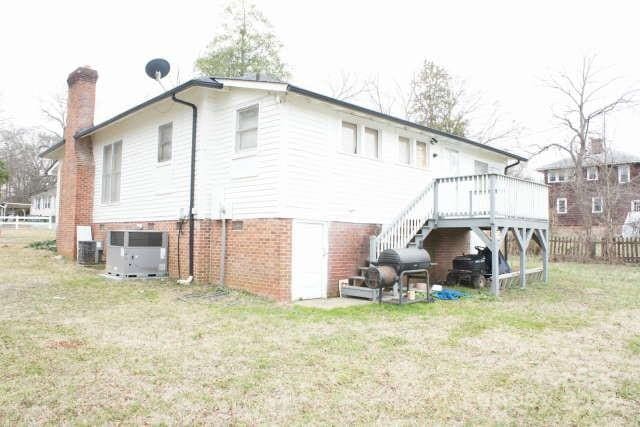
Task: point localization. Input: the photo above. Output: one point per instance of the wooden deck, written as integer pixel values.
(489, 202)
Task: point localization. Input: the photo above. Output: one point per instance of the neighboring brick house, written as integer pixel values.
(298, 181)
(612, 183)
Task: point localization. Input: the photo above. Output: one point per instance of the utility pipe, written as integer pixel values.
(194, 126)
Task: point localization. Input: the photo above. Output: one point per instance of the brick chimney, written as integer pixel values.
(596, 146)
(76, 186)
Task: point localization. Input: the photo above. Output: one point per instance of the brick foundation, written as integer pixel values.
(258, 252)
(348, 250)
(443, 245)
(258, 255)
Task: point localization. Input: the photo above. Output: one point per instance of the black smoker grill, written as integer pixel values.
(395, 267)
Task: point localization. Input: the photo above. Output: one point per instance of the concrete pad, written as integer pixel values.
(331, 303)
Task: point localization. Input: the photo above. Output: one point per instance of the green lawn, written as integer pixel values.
(78, 349)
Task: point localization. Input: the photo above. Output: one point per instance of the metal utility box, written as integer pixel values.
(137, 253)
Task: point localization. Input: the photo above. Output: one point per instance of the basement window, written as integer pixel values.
(165, 136)
(237, 225)
(247, 129)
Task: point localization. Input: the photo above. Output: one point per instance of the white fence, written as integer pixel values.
(27, 221)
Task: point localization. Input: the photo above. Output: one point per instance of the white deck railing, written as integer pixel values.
(474, 196)
(401, 230)
(30, 221)
(490, 195)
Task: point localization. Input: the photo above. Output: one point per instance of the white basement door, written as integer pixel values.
(309, 261)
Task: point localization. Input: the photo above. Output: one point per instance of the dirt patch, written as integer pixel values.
(65, 344)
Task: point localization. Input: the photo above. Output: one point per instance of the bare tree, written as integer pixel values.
(19, 149)
(583, 101)
(54, 111)
(494, 127)
(346, 86)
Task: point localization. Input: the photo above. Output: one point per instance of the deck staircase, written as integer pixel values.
(408, 229)
(473, 201)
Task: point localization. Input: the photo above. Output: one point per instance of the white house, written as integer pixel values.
(44, 204)
(288, 186)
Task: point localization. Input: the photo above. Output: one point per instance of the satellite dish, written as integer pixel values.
(157, 68)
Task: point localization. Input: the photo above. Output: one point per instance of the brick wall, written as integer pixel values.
(76, 188)
(443, 245)
(572, 221)
(348, 250)
(258, 256)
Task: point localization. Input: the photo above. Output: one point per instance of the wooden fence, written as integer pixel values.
(619, 249)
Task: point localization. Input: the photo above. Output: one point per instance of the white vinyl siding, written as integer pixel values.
(298, 169)
(111, 164)
(371, 143)
(561, 205)
(623, 174)
(247, 128)
(165, 137)
(421, 154)
(596, 205)
(404, 150)
(349, 138)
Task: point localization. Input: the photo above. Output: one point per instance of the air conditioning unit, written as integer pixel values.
(137, 253)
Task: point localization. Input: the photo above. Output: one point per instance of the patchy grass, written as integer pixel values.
(77, 349)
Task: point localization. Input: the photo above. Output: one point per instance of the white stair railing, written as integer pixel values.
(399, 232)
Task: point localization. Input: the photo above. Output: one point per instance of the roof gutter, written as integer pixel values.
(51, 149)
(506, 169)
(334, 101)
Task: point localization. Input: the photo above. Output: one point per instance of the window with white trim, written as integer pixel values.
(596, 205)
(111, 164)
(624, 174)
(247, 128)
(635, 206)
(349, 138)
(165, 136)
(480, 167)
(556, 176)
(404, 150)
(592, 173)
(371, 143)
(422, 154)
(561, 205)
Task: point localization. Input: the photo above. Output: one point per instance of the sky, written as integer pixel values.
(504, 50)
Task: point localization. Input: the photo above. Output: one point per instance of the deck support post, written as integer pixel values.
(495, 260)
(523, 236)
(543, 239)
